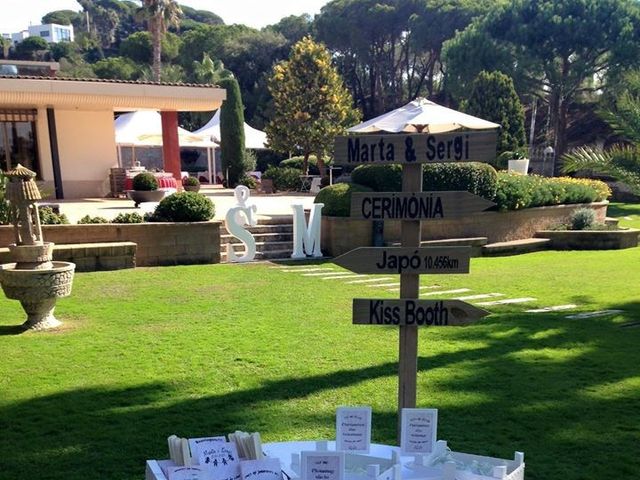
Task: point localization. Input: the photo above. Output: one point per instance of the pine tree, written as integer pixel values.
(494, 98)
(232, 132)
(311, 103)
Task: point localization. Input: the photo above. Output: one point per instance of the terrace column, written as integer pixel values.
(170, 145)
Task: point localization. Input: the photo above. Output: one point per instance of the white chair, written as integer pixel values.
(315, 185)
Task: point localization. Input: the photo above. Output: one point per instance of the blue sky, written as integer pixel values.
(16, 15)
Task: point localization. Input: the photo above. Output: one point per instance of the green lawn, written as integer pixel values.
(628, 213)
(206, 350)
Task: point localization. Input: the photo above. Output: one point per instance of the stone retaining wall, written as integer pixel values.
(341, 234)
(157, 243)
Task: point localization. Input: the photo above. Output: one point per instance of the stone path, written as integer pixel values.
(555, 308)
(599, 313)
(507, 301)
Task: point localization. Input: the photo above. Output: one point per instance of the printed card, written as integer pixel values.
(419, 430)
(196, 443)
(188, 473)
(263, 469)
(353, 429)
(221, 459)
(322, 466)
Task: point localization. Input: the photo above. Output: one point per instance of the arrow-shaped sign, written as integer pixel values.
(406, 260)
(416, 206)
(414, 312)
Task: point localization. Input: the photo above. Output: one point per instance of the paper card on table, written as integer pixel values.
(419, 430)
(322, 466)
(188, 473)
(263, 469)
(217, 454)
(224, 472)
(353, 429)
(196, 443)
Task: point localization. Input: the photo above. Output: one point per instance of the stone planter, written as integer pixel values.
(142, 196)
(591, 239)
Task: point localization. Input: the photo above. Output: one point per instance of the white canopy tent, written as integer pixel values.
(253, 138)
(144, 129)
(422, 116)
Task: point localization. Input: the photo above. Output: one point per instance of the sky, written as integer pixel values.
(16, 15)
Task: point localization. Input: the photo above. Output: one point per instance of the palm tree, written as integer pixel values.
(159, 15)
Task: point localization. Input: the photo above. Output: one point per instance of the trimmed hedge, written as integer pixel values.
(145, 182)
(298, 162)
(337, 198)
(517, 191)
(477, 178)
(184, 207)
(284, 178)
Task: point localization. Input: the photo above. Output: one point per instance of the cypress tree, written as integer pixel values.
(232, 133)
(494, 98)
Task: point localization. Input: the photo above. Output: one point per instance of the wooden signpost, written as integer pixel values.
(410, 261)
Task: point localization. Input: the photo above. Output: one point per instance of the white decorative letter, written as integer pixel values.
(306, 239)
(238, 216)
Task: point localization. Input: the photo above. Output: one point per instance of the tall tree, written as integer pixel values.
(312, 105)
(576, 43)
(159, 15)
(232, 147)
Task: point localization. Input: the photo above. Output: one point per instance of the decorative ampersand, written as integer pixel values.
(409, 152)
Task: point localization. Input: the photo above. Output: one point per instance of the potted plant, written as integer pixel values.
(191, 184)
(145, 189)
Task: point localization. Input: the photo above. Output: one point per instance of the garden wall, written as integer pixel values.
(157, 243)
(341, 234)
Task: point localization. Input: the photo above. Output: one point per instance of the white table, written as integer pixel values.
(284, 450)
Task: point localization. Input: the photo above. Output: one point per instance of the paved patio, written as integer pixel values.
(268, 204)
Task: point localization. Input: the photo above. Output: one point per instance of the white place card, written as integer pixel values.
(221, 459)
(188, 473)
(419, 430)
(196, 443)
(322, 466)
(263, 469)
(353, 429)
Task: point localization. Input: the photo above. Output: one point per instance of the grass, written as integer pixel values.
(204, 350)
(628, 213)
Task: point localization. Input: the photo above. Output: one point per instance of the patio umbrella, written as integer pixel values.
(253, 138)
(422, 116)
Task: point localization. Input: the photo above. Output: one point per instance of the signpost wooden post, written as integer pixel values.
(411, 206)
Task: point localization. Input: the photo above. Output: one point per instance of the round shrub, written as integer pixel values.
(145, 182)
(190, 182)
(184, 207)
(248, 181)
(49, 217)
(380, 178)
(337, 198)
(88, 219)
(477, 178)
(583, 219)
(284, 178)
(128, 218)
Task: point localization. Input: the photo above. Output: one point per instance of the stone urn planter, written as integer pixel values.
(32, 279)
(142, 196)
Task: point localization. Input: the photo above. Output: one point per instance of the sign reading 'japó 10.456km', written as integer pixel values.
(416, 148)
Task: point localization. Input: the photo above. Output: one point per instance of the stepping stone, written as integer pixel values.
(508, 301)
(599, 313)
(336, 276)
(442, 292)
(555, 308)
(480, 296)
(630, 325)
(298, 270)
(370, 280)
(395, 284)
(628, 218)
(319, 274)
(423, 287)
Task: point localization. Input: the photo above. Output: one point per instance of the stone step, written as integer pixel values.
(612, 222)
(258, 229)
(260, 238)
(476, 244)
(515, 247)
(268, 255)
(262, 246)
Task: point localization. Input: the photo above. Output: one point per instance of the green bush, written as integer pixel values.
(145, 182)
(380, 178)
(190, 182)
(298, 162)
(248, 181)
(477, 178)
(583, 219)
(184, 207)
(128, 218)
(4, 204)
(49, 217)
(284, 178)
(337, 198)
(88, 219)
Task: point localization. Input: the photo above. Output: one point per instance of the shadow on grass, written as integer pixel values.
(557, 389)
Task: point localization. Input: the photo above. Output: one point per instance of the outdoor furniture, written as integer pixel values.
(165, 180)
(315, 185)
(306, 181)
